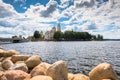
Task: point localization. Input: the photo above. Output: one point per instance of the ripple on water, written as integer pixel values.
(81, 56)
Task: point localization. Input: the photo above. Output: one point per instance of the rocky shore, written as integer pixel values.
(14, 66)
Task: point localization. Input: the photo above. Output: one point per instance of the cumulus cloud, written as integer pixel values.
(87, 16)
(94, 16)
(84, 3)
(50, 8)
(6, 10)
(48, 11)
(13, 23)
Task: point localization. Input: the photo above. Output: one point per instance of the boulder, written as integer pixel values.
(41, 69)
(1, 48)
(1, 69)
(19, 66)
(80, 77)
(14, 75)
(103, 71)
(58, 71)
(6, 64)
(70, 76)
(8, 53)
(19, 62)
(40, 77)
(16, 58)
(2, 59)
(33, 61)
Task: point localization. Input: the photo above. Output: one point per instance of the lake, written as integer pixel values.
(81, 56)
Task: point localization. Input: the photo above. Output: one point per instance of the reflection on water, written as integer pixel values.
(80, 56)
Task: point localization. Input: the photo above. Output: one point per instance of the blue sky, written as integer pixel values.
(23, 17)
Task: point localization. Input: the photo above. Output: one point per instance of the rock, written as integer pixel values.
(33, 61)
(14, 75)
(19, 66)
(1, 48)
(4, 58)
(80, 77)
(6, 64)
(58, 71)
(103, 71)
(19, 62)
(41, 69)
(40, 77)
(8, 53)
(16, 58)
(1, 69)
(70, 76)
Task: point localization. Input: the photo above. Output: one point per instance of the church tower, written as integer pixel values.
(58, 27)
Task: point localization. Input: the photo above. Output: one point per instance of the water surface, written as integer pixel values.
(81, 56)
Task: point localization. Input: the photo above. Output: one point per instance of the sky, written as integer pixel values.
(23, 17)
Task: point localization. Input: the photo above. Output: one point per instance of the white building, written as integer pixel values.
(49, 34)
(58, 27)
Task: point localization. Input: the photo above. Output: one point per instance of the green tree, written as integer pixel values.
(36, 35)
(58, 35)
(69, 35)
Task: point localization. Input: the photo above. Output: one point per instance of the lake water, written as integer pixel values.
(81, 56)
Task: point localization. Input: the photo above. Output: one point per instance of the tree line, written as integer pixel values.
(76, 36)
(70, 36)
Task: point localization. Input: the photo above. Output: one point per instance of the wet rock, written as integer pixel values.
(19, 66)
(14, 75)
(40, 77)
(8, 53)
(6, 64)
(16, 58)
(80, 77)
(33, 61)
(103, 71)
(41, 69)
(70, 76)
(58, 71)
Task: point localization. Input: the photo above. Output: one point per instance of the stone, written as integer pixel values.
(19, 66)
(103, 71)
(33, 61)
(40, 77)
(14, 75)
(58, 71)
(1, 69)
(80, 77)
(16, 58)
(70, 76)
(6, 64)
(1, 48)
(41, 69)
(8, 53)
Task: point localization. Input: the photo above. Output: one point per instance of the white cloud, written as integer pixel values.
(13, 23)
(84, 3)
(84, 15)
(23, 1)
(97, 19)
(6, 10)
